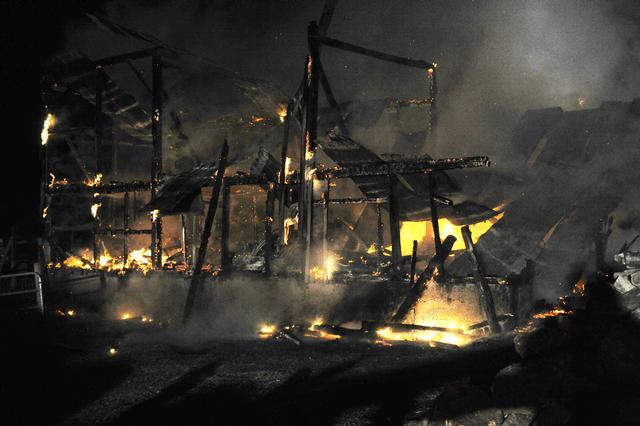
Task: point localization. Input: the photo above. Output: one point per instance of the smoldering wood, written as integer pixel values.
(401, 167)
(125, 225)
(156, 161)
(122, 231)
(265, 165)
(486, 298)
(434, 217)
(375, 325)
(342, 45)
(394, 228)
(379, 236)
(418, 288)
(194, 287)
(103, 188)
(414, 255)
(353, 200)
(282, 182)
(302, 186)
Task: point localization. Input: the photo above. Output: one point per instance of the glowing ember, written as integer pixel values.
(94, 209)
(154, 215)
(287, 169)
(428, 336)
(126, 316)
(49, 122)
(45, 212)
(71, 312)
(113, 351)
(266, 330)
(54, 182)
(555, 312)
(282, 112)
(581, 102)
(310, 173)
(95, 182)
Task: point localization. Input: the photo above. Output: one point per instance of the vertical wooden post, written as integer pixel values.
(434, 218)
(302, 173)
(310, 139)
(484, 292)
(224, 228)
(325, 225)
(380, 236)
(156, 162)
(414, 258)
(194, 288)
(268, 229)
(183, 240)
(98, 151)
(394, 227)
(282, 185)
(125, 226)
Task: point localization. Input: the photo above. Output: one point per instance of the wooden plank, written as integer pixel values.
(414, 258)
(156, 162)
(268, 229)
(394, 227)
(484, 292)
(417, 289)
(194, 287)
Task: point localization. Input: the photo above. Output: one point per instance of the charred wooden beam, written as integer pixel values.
(103, 188)
(342, 45)
(372, 326)
(121, 231)
(282, 185)
(125, 225)
(325, 226)
(394, 227)
(486, 298)
(76, 68)
(310, 136)
(268, 230)
(156, 161)
(414, 258)
(353, 200)
(434, 216)
(402, 167)
(194, 287)
(246, 180)
(327, 15)
(417, 289)
(380, 236)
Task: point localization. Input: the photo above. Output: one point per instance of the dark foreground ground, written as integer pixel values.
(159, 377)
(578, 369)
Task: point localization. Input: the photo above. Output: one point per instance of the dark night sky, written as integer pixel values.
(497, 59)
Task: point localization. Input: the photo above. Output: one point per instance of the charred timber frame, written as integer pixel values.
(156, 90)
(282, 185)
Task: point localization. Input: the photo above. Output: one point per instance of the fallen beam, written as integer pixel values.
(206, 233)
(401, 167)
(418, 288)
(105, 188)
(343, 45)
(486, 298)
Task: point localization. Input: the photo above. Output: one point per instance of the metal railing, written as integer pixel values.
(23, 283)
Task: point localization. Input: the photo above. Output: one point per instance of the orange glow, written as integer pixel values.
(282, 112)
(49, 122)
(553, 313)
(410, 231)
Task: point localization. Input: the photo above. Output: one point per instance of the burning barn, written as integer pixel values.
(178, 196)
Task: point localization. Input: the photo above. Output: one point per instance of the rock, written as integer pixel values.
(519, 416)
(540, 340)
(552, 414)
(619, 356)
(533, 382)
(465, 405)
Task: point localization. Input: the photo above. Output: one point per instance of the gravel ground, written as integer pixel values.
(68, 376)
